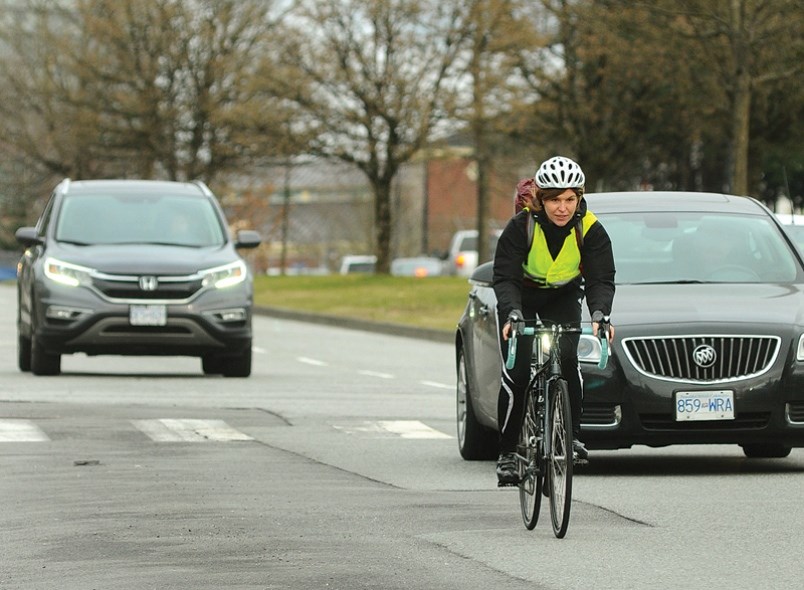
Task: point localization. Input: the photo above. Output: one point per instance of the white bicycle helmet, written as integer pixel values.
(560, 172)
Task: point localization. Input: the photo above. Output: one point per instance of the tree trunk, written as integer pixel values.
(741, 116)
(382, 223)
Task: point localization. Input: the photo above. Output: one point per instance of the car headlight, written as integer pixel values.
(800, 349)
(225, 276)
(68, 274)
(589, 349)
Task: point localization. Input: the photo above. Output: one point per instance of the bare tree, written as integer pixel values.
(368, 80)
(147, 88)
(497, 31)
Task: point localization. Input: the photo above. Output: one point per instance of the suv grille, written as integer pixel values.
(703, 359)
(128, 287)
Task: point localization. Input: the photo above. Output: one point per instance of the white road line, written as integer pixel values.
(376, 374)
(258, 350)
(309, 361)
(21, 431)
(188, 430)
(436, 384)
(393, 428)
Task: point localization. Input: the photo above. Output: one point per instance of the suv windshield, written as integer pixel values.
(139, 219)
(694, 247)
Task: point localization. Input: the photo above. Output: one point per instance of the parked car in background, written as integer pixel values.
(794, 226)
(418, 266)
(462, 258)
(358, 263)
(134, 267)
(709, 317)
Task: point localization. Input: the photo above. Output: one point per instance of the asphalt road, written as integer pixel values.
(335, 466)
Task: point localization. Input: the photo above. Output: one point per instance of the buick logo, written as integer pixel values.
(148, 283)
(704, 356)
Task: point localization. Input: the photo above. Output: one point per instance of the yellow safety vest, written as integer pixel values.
(540, 266)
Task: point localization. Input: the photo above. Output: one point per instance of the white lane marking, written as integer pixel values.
(437, 384)
(309, 361)
(21, 431)
(258, 350)
(189, 430)
(393, 428)
(376, 374)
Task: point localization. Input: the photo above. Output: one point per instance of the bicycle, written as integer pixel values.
(544, 455)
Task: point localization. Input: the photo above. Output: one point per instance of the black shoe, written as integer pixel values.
(506, 470)
(579, 450)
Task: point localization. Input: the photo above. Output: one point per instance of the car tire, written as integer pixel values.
(211, 364)
(24, 353)
(766, 451)
(43, 362)
(237, 366)
(475, 442)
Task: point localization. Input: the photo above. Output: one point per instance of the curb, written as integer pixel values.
(430, 334)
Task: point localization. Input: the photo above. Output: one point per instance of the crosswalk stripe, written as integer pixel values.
(21, 431)
(397, 428)
(189, 430)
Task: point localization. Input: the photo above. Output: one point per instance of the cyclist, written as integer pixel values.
(550, 255)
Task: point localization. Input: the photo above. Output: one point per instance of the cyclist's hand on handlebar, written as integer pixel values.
(602, 322)
(513, 317)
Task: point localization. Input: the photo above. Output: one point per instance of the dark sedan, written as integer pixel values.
(132, 267)
(709, 316)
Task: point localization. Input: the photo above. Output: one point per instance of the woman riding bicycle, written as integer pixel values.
(551, 254)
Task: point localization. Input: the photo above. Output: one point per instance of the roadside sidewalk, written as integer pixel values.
(356, 324)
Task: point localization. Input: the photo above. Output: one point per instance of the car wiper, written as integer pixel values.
(74, 242)
(149, 243)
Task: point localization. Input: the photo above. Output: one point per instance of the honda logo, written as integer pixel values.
(704, 356)
(148, 283)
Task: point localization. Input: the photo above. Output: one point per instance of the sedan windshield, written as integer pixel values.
(139, 219)
(679, 247)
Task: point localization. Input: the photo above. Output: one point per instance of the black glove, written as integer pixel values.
(603, 322)
(515, 316)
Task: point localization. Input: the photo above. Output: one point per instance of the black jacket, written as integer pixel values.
(597, 261)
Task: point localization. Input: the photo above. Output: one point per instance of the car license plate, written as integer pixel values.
(704, 405)
(147, 315)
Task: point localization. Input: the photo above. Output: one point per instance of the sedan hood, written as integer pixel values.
(138, 259)
(664, 304)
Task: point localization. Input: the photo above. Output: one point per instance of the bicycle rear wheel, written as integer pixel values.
(530, 477)
(560, 461)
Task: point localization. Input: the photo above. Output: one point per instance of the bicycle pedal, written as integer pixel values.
(578, 461)
(507, 484)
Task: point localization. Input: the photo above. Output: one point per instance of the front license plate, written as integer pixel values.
(147, 315)
(704, 405)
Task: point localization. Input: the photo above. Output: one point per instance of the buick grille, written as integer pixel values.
(702, 359)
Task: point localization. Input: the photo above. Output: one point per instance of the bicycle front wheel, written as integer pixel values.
(530, 476)
(560, 459)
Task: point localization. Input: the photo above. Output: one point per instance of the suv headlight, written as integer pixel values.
(225, 276)
(68, 274)
(800, 349)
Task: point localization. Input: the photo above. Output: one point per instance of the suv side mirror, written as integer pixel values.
(27, 236)
(247, 238)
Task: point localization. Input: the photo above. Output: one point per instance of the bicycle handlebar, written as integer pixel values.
(521, 328)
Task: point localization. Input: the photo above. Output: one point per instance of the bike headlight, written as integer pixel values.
(64, 273)
(225, 276)
(589, 349)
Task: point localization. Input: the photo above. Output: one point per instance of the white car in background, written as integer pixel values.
(462, 256)
(794, 226)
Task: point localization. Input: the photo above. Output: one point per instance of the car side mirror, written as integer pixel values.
(247, 238)
(28, 237)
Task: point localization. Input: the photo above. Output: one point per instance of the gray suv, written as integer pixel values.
(134, 267)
